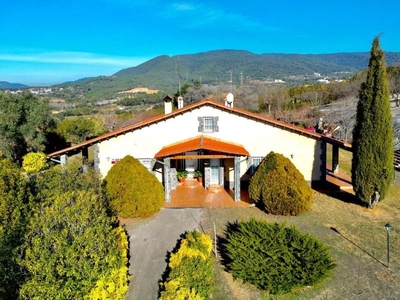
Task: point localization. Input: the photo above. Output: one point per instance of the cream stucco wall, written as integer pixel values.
(258, 138)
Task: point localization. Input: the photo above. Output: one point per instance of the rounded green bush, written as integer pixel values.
(279, 188)
(273, 257)
(132, 190)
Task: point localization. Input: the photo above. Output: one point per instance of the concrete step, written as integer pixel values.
(191, 183)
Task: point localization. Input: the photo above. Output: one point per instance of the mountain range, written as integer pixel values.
(223, 66)
(8, 85)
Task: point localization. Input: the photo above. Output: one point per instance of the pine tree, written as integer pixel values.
(372, 165)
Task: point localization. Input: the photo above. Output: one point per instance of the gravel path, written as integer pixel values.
(149, 245)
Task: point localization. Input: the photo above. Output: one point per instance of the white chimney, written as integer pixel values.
(180, 102)
(167, 104)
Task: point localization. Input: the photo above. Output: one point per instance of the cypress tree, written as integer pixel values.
(372, 164)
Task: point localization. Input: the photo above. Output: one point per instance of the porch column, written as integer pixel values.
(207, 175)
(236, 183)
(64, 159)
(96, 157)
(167, 181)
(323, 162)
(335, 159)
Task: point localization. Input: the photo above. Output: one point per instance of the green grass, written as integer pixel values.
(345, 158)
(357, 240)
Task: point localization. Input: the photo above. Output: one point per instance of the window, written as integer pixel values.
(147, 162)
(208, 124)
(255, 161)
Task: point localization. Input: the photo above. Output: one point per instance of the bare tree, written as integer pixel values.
(396, 133)
(394, 83)
(301, 116)
(343, 113)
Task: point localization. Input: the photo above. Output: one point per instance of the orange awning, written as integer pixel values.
(202, 143)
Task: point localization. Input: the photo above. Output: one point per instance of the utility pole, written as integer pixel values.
(230, 72)
(241, 78)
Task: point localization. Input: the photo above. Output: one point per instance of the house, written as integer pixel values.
(226, 143)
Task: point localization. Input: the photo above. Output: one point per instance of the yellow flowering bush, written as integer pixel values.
(114, 286)
(190, 269)
(34, 162)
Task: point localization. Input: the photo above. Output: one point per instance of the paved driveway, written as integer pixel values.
(149, 245)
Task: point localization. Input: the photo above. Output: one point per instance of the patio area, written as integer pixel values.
(191, 193)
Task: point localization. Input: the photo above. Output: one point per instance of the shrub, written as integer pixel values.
(73, 251)
(279, 188)
(34, 162)
(274, 258)
(114, 284)
(72, 247)
(190, 269)
(15, 201)
(132, 190)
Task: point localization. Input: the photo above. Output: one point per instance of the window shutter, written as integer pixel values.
(215, 123)
(201, 124)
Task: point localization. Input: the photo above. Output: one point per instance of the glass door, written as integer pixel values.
(214, 178)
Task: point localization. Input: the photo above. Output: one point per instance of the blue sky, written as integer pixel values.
(48, 42)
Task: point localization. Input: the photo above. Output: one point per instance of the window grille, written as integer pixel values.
(255, 161)
(208, 124)
(147, 162)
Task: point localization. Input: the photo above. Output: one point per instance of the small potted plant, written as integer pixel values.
(198, 175)
(181, 175)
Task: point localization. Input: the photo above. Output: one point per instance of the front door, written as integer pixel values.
(214, 178)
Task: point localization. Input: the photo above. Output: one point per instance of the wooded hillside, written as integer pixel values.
(214, 67)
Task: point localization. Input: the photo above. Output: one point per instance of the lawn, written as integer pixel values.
(355, 235)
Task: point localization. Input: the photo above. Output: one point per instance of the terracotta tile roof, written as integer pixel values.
(188, 108)
(202, 143)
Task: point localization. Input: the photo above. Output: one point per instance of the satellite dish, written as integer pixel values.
(229, 100)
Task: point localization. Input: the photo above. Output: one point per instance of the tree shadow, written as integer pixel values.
(222, 243)
(335, 191)
(363, 250)
(344, 196)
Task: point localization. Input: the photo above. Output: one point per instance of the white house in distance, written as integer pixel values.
(224, 142)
